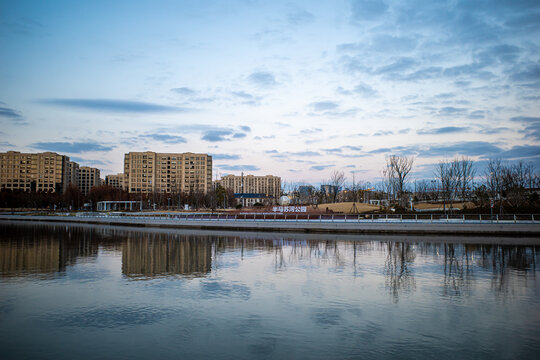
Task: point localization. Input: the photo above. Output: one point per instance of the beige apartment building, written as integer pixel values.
(249, 189)
(88, 178)
(116, 181)
(47, 172)
(167, 172)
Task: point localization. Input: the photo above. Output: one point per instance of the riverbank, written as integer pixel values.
(521, 229)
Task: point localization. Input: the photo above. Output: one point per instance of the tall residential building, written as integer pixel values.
(73, 173)
(249, 189)
(167, 172)
(116, 181)
(88, 178)
(46, 171)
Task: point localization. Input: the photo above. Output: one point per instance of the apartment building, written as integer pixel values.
(47, 172)
(73, 173)
(116, 181)
(88, 178)
(249, 189)
(167, 172)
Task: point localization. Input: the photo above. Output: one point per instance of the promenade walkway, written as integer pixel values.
(523, 225)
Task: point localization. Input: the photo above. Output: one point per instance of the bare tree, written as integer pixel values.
(359, 189)
(455, 180)
(515, 181)
(532, 178)
(494, 180)
(288, 187)
(466, 177)
(396, 175)
(424, 190)
(386, 185)
(365, 189)
(337, 179)
(510, 184)
(448, 175)
(355, 187)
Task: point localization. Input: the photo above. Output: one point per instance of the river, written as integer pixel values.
(91, 292)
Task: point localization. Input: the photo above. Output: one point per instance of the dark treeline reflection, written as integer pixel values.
(459, 263)
(398, 272)
(50, 249)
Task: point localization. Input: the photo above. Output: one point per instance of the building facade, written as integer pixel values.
(250, 189)
(43, 172)
(116, 181)
(73, 173)
(88, 178)
(147, 172)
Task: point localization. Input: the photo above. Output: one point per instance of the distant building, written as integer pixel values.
(47, 172)
(306, 190)
(116, 181)
(147, 172)
(252, 199)
(250, 189)
(329, 190)
(306, 194)
(88, 178)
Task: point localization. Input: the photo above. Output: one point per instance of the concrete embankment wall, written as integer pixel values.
(405, 228)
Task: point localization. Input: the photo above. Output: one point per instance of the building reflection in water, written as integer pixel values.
(151, 255)
(43, 250)
(47, 250)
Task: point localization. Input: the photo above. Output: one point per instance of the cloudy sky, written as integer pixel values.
(294, 88)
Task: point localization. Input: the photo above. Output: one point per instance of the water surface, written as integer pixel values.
(89, 292)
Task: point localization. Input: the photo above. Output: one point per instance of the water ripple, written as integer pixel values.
(109, 317)
(219, 289)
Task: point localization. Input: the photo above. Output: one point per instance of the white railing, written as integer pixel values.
(330, 218)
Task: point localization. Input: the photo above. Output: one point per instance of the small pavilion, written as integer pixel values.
(119, 205)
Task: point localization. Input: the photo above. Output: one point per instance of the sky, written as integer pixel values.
(296, 89)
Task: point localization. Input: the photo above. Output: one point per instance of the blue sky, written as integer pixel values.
(296, 89)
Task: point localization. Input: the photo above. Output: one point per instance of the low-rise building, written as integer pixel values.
(251, 189)
(116, 181)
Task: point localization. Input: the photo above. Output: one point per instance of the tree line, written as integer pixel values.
(73, 199)
(503, 185)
